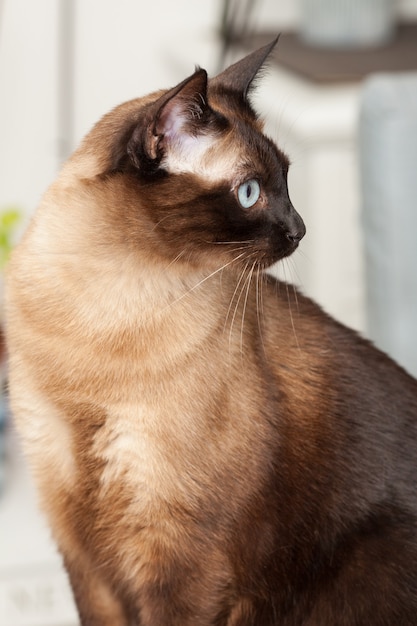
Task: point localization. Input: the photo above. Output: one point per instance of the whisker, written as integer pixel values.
(228, 243)
(291, 313)
(292, 269)
(219, 269)
(259, 304)
(233, 297)
(249, 279)
(166, 217)
(243, 275)
(294, 289)
(177, 258)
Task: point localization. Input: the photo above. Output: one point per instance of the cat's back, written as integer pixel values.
(358, 405)
(301, 338)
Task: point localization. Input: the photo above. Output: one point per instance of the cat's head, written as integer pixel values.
(198, 178)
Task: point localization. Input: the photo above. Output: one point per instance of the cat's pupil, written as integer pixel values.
(248, 193)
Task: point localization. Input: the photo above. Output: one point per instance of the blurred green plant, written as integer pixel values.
(9, 220)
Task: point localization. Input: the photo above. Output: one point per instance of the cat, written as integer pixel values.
(210, 447)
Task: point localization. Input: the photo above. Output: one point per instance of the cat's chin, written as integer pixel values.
(266, 260)
(249, 260)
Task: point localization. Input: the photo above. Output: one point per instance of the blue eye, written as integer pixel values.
(248, 193)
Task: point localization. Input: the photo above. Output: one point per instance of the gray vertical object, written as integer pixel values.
(388, 161)
(66, 52)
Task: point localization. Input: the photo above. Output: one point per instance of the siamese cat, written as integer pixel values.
(210, 448)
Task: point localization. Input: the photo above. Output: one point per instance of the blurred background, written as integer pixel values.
(340, 97)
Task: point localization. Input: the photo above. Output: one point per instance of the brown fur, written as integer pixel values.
(210, 447)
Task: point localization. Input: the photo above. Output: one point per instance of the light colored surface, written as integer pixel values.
(36, 597)
(317, 127)
(34, 590)
(388, 141)
(28, 114)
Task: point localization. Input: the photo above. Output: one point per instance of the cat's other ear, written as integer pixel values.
(180, 112)
(240, 76)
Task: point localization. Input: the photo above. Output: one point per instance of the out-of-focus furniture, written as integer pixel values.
(388, 167)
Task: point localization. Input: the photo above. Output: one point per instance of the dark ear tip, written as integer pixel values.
(201, 72)
(269, 47)
(265, 51)
(239, 76)
(275, 41)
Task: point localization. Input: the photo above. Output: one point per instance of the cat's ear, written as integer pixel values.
(240, 76)
(180, 112)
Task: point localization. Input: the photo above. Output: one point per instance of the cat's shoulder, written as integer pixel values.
(309, 334)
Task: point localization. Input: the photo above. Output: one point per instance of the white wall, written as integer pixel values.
(28, 70)
(128, 48)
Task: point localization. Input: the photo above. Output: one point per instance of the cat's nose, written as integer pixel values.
(295, 237)
(294, 226)
(296, 232)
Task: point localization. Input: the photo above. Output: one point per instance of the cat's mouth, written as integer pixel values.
(268, 246)
(281, 242)
(277, 235)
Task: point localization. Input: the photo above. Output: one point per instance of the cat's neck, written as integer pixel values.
(116, 293)
(163, 307)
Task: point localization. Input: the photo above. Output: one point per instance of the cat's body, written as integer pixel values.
(210, 447)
